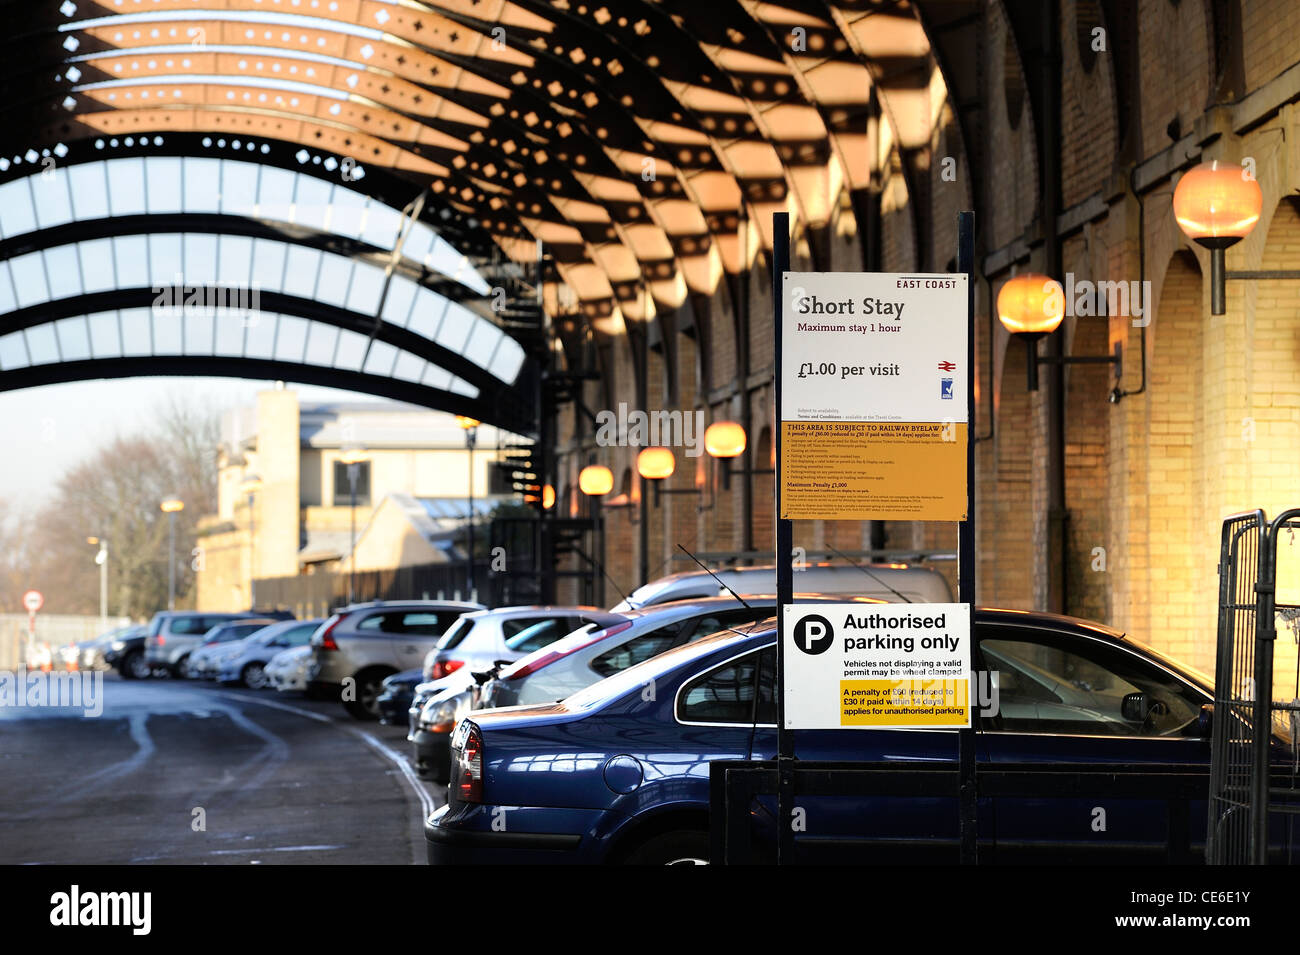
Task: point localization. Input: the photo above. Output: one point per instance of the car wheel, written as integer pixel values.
(366, 704)
(135, 666)
(683, 847)
(254, 676)
(180, 670)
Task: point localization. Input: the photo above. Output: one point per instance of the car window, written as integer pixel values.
(640, 648)
(456, 635)
(190, 625)
(766, 710)
(1053, 683)
(382, 623)
(300, 636)
(715, 621)
(724, 694)
(424, 622)
(537, 635)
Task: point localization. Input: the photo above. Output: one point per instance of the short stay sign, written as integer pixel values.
(873, 412)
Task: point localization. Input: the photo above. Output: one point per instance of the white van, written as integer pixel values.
(894, 583)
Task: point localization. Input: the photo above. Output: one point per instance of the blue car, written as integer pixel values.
(619, 772)
(395, 699)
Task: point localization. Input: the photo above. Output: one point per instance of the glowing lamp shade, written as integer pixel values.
(548, 497)
(172, 505)
(466, 422)
(1031, 304)
(595, 480)
(724, 439)
(1217, 204)
(655, 464)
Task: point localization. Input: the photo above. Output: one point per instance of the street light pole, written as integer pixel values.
(171, 507)
(470, 426)
(101, 558)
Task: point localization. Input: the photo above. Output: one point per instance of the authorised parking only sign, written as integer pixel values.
(877, 666)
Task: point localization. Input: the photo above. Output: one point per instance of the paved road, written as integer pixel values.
(278, 781)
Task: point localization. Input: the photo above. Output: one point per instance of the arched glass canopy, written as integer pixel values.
(646, 144)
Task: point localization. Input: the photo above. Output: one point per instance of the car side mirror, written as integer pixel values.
(1205, 722)
(1135, 707)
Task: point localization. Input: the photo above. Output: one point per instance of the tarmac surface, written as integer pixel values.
(182, 772)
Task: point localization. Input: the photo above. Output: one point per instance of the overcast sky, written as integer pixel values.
(45, 431)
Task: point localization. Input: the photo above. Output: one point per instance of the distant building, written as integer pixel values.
(287, 459)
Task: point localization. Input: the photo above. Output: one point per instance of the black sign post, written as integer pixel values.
(967, 744)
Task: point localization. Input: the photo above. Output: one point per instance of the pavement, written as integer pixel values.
(184, 772)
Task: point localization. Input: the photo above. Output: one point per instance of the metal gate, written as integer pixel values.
(1254, 802)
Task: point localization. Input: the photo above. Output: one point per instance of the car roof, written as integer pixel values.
(524, 610)
(417, 604)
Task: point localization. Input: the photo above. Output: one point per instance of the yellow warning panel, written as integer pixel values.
(905, 702)
(873, 471)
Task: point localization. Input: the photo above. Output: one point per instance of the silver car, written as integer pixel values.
(479, 640)
(287, 670)
(361, 644)
(593, 653)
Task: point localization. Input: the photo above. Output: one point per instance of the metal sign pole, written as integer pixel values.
(966, 740)
(784, 551)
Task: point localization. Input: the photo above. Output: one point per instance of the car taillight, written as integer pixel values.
(469, 766)
(445, 668)
(327, 638)
(159, 640)
(525, 667)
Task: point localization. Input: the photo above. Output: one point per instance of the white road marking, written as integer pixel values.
(398, 759)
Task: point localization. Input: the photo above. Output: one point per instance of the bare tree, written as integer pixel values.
(115, 494)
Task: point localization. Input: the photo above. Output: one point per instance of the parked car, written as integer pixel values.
(397, 694)
(363, 643)
(126, 653)
(200, 664)
(92, 651)
(174, 634)
(1071, 694)
(591, 654)
(580, 659)
(891, 582)
(247, 666)
(479, 640)
(287, 671)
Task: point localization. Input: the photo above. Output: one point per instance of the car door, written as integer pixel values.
(918, 827)
(1095, 751)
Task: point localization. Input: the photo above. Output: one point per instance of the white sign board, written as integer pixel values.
(877, 666)
(873, 409)
(33, 601)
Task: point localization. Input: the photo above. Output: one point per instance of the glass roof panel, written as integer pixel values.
(132, 259)
(291, 338)
(28, 274)
(64, 271)
(200, 257)
(163, 176)
(74, 338)
(137, 331)
(104, 339)
(50, 194)
(17, 216)
(126, 187)
(333, 281)
(41, 345)
(232, 271)
(13, 351)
